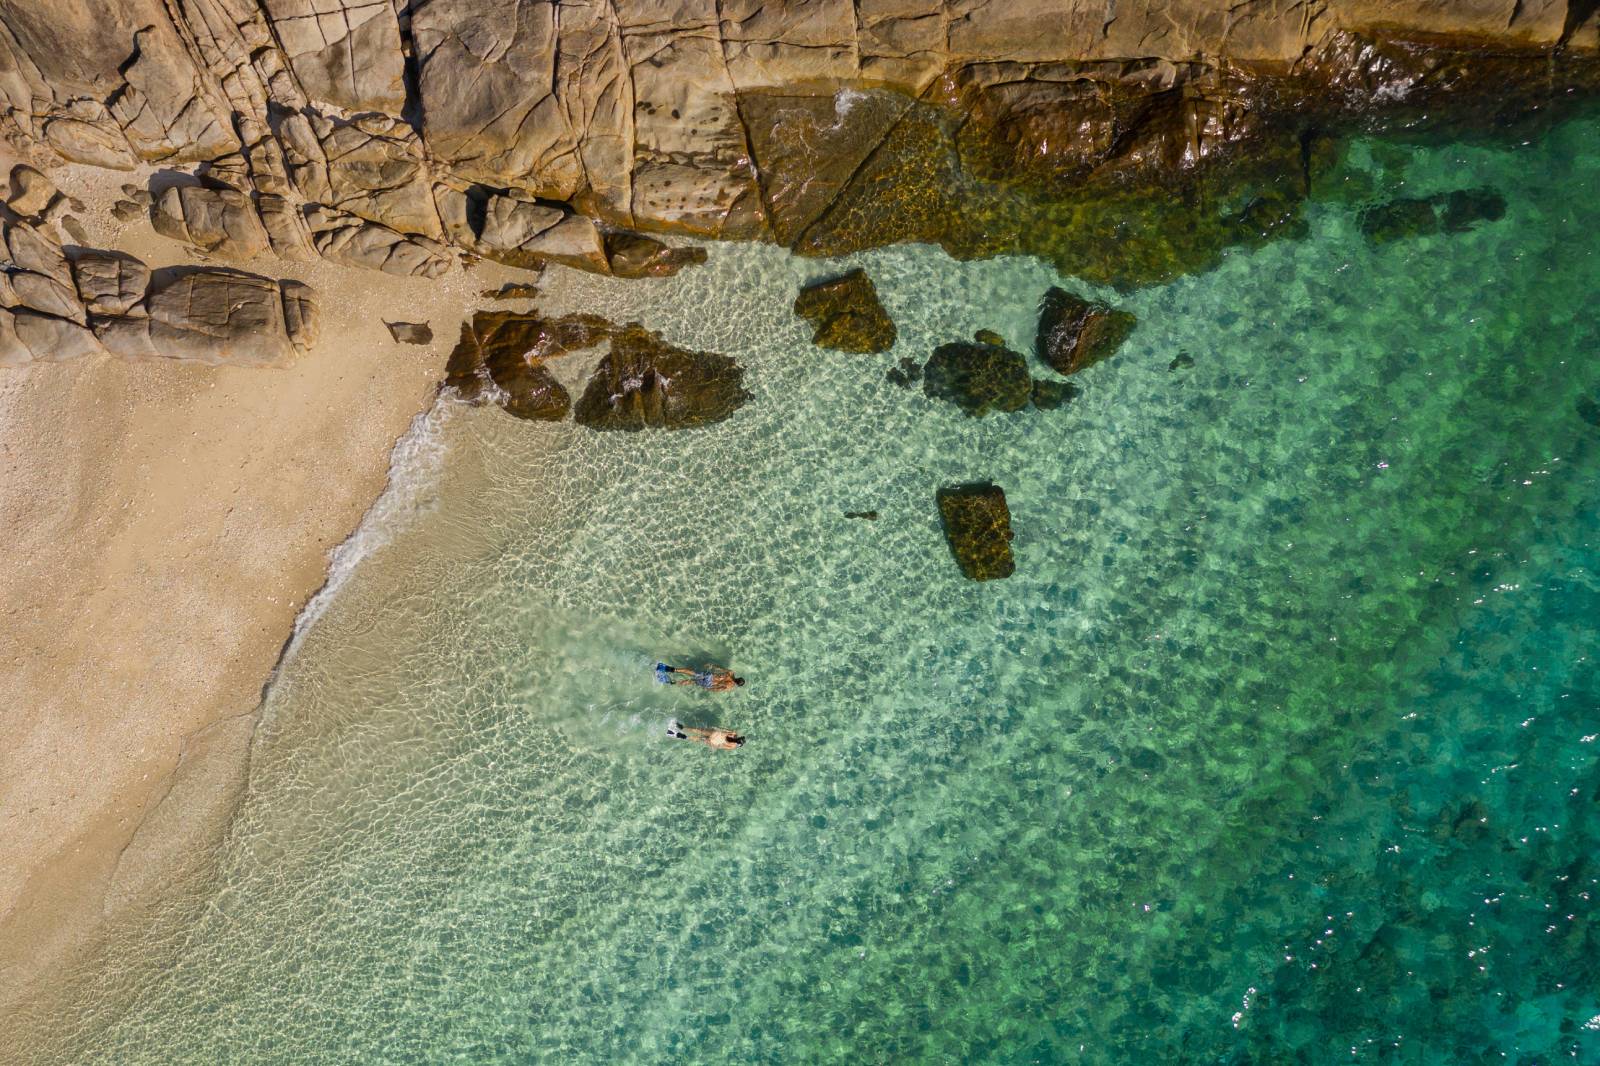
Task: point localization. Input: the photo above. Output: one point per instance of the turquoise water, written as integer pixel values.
(1279, 747)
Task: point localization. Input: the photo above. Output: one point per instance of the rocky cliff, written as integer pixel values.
(390, 133)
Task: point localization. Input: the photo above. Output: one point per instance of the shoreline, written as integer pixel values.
(173, 521)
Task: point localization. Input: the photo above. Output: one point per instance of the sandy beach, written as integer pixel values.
(166, 522)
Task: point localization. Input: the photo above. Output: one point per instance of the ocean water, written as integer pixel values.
(1279, 746)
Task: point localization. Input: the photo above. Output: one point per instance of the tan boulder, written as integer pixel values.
(110, 283)
(221, 222)
(31, 191)
(216, 317)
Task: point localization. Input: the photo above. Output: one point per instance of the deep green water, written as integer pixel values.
(1280, 746)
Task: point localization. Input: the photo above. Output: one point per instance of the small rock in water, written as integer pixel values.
(978, 378)
(633, 255)
(1181, 361)
(846, 314)
(1075, 334)
(908, 373)
(1048, 395)
(977, 524)
(870, 516)
(410, 332)
(514, 291)
(989, 336)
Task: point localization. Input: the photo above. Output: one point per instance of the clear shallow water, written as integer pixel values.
(1278, 747)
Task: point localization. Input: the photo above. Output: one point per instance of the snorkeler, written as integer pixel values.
(723, 739)
(712, 678)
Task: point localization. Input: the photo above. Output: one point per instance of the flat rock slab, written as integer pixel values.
(846, 315)
(1075, 334)
(978, 378)
(410, 332)
(977, 524)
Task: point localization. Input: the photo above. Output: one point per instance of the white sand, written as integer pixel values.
(163, 524)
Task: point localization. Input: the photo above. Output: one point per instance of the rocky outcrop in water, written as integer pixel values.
(977, 523)
(1075, 334)
(641, 383)
(645, 383)
(978, 378)
(845, 314)
(530, 132)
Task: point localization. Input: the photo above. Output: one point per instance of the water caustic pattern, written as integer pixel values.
(1278, 747)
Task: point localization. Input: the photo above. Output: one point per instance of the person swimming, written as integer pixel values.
(712, 678)
(721, 739)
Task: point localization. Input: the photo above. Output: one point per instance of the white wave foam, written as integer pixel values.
(411, 491)
(844, 101)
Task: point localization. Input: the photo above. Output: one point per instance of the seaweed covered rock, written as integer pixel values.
(978, 378)
(977, 524)
(846, 315)
(646, 383)
(1075, 333)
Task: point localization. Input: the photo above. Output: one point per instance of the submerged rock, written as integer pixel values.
(1075, 334)
(846, 314)
(1048, 395)
(977, 524)
(1406, 216)
(870, 516)
(989, 336)
(1181, 361)
(978, 378)
(906, 373)
(646, 383)
(410, 332)
(1418, 216)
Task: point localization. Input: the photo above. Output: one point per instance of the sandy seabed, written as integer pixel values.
(165, 522)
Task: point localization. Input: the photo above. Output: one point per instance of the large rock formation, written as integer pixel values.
(534, 132)
(56, 306)
(646, 383)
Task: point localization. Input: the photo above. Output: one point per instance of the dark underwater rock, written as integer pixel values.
(977, 524)
(1416, 216)
(1464, 208)
(1048, 395)
(1407, 216)
(907, 373)
(1589, 411)
(978, 378)
(1181, 361)
(646, 383)
(870, 516)
(528, 389)
(846, 315)
(1075, 334)
(989, 336)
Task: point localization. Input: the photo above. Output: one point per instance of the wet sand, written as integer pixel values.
(164, 523)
